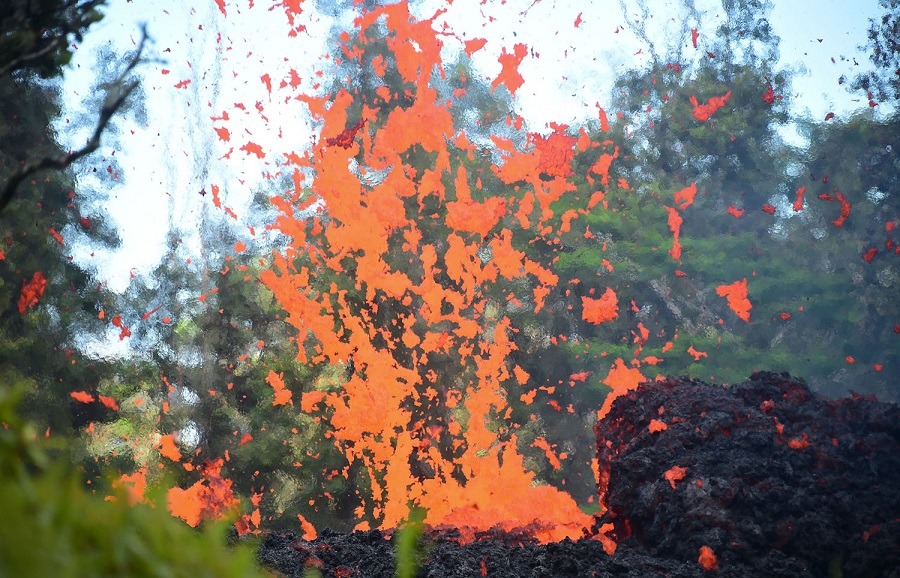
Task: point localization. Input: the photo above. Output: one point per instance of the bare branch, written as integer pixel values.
(35, 35)
(22, 60)
(119, 90)
(639, 27)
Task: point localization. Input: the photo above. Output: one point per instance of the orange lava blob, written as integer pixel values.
(674, 474)
(601, 310)
(845, 209)
(135, 485)
(81, 396)
(32, 291)
(541, 443)
(657, 426)
(736, 294)
(685, 197)
(509, 75)
(211, 497)
(168, 448)
(621, 379)
(186, 504)
(702, 112)
(474, 45)
(697, 355)
(798, 200)
(707, 559)
(309, 531)
(675, 222)
(282, 393)
(109, 402)
(123, 329)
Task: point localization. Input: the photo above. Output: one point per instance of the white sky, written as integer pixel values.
(574, 70)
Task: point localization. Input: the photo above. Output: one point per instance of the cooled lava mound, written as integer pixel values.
(762, 478)
(762, 470)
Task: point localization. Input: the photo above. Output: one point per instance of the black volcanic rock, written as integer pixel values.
(371, 555)
(769, 467)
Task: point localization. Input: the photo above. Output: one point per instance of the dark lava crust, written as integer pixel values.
(778, 481)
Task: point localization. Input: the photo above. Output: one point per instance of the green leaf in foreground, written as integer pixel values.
(406, 542)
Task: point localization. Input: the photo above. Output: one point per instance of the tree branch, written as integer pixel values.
(20, 61)
(116, 95)
(639, 28)
(35, 35)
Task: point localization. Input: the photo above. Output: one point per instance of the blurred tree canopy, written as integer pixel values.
(883, 83)
(35, 35)
(34, 44)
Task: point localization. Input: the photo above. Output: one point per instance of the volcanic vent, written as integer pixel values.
(763, 478)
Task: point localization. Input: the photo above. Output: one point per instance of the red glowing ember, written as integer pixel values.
(674, 474)
(707, 559)
(32, 291)
(769, 95)
(346, 137)
(702, 112)
(736, 294)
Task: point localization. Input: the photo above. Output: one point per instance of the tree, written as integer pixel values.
(705, 175)
(35, 36)
(883, 84)
(221, 370)
(34, 39)
(846, 228)
(694, 156)
(47, 299)
(51, 305)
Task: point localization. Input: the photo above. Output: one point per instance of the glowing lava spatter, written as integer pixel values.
(423, 433)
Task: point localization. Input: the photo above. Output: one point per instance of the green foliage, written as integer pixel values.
(52, 526)
(406, 542)
(40, 341)
(883, 83)
(35, 34)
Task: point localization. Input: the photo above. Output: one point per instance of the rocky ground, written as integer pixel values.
(764, 478)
